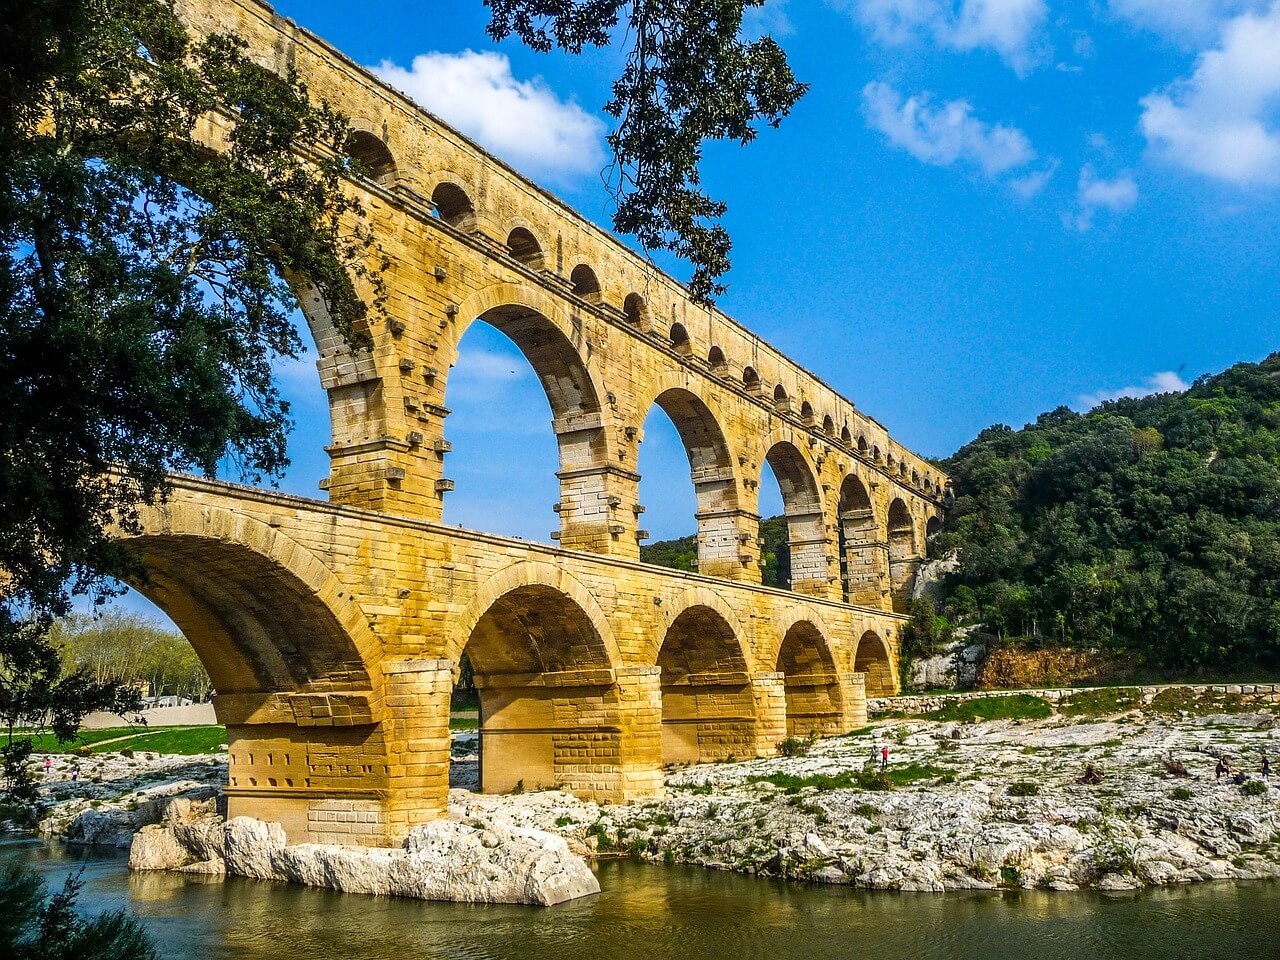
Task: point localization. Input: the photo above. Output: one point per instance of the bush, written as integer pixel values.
(796, 746)
(1023, 788)
(1254, 788)
(1181, 793)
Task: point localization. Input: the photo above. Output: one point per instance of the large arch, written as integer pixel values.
(872, 658)
(708, 710)
(711, 470)
(864, 554)
(904, 557)
(296, 668)
(815, 701)
(806, 526)
(538, 655)
(534, 321)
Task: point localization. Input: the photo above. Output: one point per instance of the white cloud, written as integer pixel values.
(1029, 186)
(1189, 22)
(1094, 193)
(771, 19)
(1166, 381)
(1012, 28)
(522, 121)
(1224, 120)
(945, 134)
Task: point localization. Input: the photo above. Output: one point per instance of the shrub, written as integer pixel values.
(1181, 793)
(795, 746)
(1254, 788)
(1023, 788)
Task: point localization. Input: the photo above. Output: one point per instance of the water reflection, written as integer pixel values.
(654, 913)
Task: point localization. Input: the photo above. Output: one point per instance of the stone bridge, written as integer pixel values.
(333, 630)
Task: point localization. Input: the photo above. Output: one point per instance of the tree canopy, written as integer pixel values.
(142, 299)
(691, 74)
(1147, 526)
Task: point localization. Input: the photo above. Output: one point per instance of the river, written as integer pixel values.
(651, 913)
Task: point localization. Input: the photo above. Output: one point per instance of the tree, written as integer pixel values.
(142, 299)
(37, 926)
(690, 75)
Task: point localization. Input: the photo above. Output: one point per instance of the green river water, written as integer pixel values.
(652, 913)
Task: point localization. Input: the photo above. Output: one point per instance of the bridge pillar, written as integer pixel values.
(417, 698)
(810, 555)
(866, 567)
(769, 692)
(598, 510)
(853, 701)
(591, 732)
(728, 545)
(902, 577)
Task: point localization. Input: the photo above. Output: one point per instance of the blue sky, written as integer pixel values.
(983, 209)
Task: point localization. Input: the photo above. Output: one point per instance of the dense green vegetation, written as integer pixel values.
(122, 647)
(1147, 528)
(775, 555)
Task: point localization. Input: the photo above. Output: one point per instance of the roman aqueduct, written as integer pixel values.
(332, 630)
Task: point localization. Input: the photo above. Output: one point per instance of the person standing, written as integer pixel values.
(884, 757)
(48, 766)
(1266, 767)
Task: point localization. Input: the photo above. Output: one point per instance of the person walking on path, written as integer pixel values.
(1266, 767)
(48, 767)
(884, 757)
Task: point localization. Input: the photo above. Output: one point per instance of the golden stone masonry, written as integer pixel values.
(332, 630)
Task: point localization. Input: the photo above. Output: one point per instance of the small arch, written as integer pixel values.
(903, 559)
(585, 283)
(802, 504)
(828, 426)
(915, 477)
(781, 402)
(863, 447)
(524, 246)
(636, 310)
(932, 527)
(806, 412)
(680, 339)
(708, 711)
(813, 697)
(862, 565)
(875, 453)
(452, 205)
(846, 437)
(751, 379)
(371, 158)
(532, 641)
(715, 357)
(872, 659)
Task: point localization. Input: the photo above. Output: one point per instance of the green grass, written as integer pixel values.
(1178, 700)
(1101, 703)
(1018, 706)
(869, 779)
(182, 740)
(464, 723)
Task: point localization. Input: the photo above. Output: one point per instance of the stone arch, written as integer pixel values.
(864, 556)
(932, 526)
(711, 469)
(872, 658)
(904, 557)
(781, 402)
(751, 379)
(815, 701)
(535, 322)
(586, 284)
(679, 338)
(708, 709)
(636, 310)
(453, 205)
(263, 613)
(522, 245)
(828, 426)
(372, 157)
(846, 436)
(802, 503)
(716, 360)
(806, 413)
(537, 654)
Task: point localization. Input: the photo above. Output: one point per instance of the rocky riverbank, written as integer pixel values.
(1062, 802)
